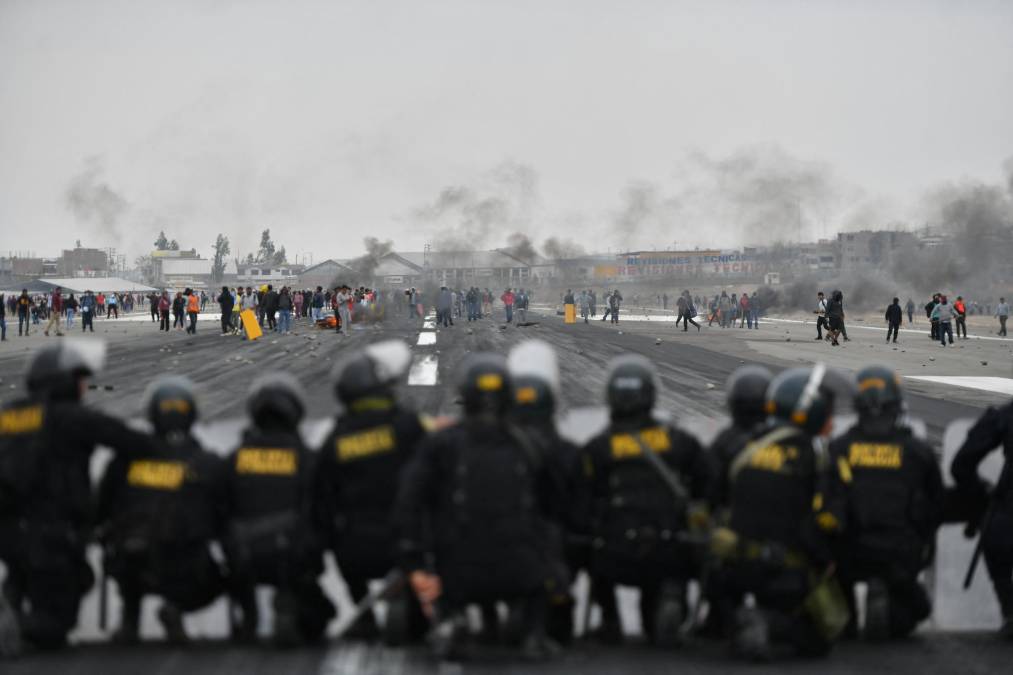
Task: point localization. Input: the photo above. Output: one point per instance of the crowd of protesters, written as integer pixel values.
(58, 310)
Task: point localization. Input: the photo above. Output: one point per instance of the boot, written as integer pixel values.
(129, 631)
(286, 620)
(446, 638)
(10, 631)
(669, 615)
(877, 611)
(752, 635)
(172, 622)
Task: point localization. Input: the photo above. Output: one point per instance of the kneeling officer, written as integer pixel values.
(646, 484)
(270, 538)
(785, 511)
(46, 514)
(356, 483)
(475, 502)
(159, 511)
(894, 507)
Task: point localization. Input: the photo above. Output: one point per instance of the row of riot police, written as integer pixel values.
(774, 523)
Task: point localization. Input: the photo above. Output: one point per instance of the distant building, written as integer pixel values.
(870, 249)
(259, 274)
(83, 262)
(821, 256)
(493, 269)
(324, 274)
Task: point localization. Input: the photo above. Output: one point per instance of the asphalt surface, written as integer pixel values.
(692, 368)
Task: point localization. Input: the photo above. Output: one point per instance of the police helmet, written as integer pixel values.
(747, 394)
(370, 375)
(632, 388)
(800, 397)
(55, 370)
(878, 391)
(533, 397)
(276, 399)
(170, 404)
(534, 370)
(485, 385)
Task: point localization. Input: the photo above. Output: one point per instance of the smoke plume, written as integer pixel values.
(520, 247)
(90, 198)
(471, 217)
(366, 264)
(556, 248)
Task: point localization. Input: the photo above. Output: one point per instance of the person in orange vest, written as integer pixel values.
(961, 309)
(192, 309)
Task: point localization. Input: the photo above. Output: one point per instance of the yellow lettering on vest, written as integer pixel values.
(875, 455)
(20, 420)
(770, 458)
(266, 461)
(655, 438)
(156, 475)
(365, 443)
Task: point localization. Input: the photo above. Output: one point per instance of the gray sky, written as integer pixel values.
(328, 121)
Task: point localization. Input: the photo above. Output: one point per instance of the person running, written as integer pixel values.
(688, 312)
(835, 317)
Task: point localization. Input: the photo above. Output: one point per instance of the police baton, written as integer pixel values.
(392, 584)
(985, 522)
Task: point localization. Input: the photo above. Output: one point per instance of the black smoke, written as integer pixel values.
(92, 200)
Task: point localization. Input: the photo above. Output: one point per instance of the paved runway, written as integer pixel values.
(692, 367)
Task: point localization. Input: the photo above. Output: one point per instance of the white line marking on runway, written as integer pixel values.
(999, 385)
(428, 325)
(426, 339)
(423, 370)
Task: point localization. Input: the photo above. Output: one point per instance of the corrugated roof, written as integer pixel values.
(96, 284)
(462, 259)
(193, 266)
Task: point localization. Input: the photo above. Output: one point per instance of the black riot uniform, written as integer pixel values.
(159, 511)
(995, 510)
(270, 539)
(472, 512)
(535, 373)
(46, 509)
(785, 507)
(356, 482)
(746, 401)
(639, 512)
(894, 504)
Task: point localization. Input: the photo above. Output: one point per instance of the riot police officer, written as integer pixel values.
(357, 477)
(641, 510)
(46, 443)
(475, 501)
(746, 401)
(535, 375)
(785, 509)
(159, 511)
(994, 507)
(894, 504)
(270, 538)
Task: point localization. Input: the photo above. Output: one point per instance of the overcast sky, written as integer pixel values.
(329, 121)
